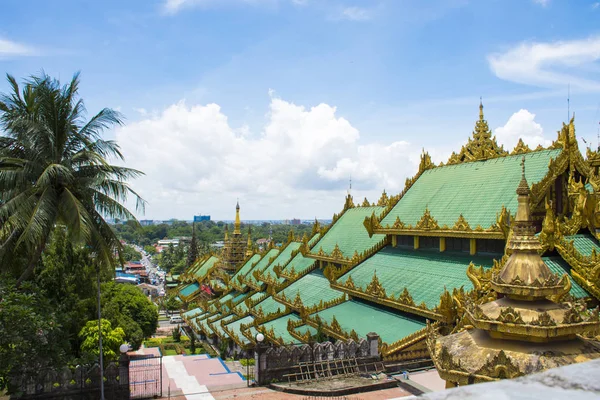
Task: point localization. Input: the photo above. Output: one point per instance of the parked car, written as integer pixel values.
(176, 319)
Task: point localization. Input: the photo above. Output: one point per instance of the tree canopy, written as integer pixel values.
(54, 169)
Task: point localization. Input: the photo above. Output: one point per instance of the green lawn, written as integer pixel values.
(170, 352)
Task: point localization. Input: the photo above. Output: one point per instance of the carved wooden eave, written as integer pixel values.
(264, 318)
(306, 338)
(270, 335)
(428, 226)
(235, 337)
(376, 294)
(584, 270)
(406, 342)
(333, 329)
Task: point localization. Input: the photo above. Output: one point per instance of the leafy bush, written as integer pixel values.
(247, 361)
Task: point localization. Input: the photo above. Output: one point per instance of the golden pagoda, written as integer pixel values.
(527, 329)
(235, 246)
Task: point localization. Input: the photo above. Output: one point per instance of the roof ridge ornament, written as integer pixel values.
(482, 146)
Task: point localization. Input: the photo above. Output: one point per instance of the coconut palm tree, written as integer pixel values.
(55, 170)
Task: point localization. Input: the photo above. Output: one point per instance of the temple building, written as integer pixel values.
(532, 326)
(430, 253)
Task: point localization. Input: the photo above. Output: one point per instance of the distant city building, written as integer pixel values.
(167, 242)
(296, 221)
(200, 218)
(218, 244)
(146, 222)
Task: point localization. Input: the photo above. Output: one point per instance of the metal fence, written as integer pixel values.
(80, 382)
(145, 377)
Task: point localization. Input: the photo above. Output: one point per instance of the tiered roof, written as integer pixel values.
(348, 235)
(476, 190)
(363, 318)
(425, 274)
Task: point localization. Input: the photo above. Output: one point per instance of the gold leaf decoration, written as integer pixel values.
(521, 148)
(461, 224)
(427, 222)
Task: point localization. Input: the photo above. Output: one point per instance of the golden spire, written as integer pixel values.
(480, 109)
(525, 275)
(249, 245)
(226, 233)
(236, 227)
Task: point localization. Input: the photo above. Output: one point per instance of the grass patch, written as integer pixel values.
(170, 352)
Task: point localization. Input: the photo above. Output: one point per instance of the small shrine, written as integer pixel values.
(532, 326)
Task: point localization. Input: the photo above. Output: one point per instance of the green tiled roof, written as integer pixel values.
(364, 318)
(560, 266)
(235, 327)
(217, 324)
(262, 264)
(190, 289)
(313, 288)
(477, 190)
(247, 266)
(228, 296)
(243, 307)
(584, 243)
(300, 264)
(302, 329)
(279, 326)
(269, 306)
(314, 239)
(283, 257)
(349, 233)
(425, 273)
(240, 297)
(193, 313)
(201, 272)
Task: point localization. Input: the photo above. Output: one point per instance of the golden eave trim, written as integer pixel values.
(390, 303)
(441, 233)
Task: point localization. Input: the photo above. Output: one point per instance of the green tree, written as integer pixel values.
(131, 254)
(54, 170)
(151, 250)
(31, 339)
(68, 280)
(192, 253)
(112, 339)
(127, 306)
(172, 303)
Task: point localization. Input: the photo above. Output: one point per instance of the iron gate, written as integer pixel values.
(145, 377)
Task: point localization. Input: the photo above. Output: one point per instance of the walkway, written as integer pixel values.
(196, 376)
(188, 384)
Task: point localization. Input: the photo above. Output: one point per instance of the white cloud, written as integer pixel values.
(175, 6)
(554, 64)
(521, 125)
(596, 5)
(543, 3)
(356, 14)
(298, 165)
(9, 48)
(142, 111)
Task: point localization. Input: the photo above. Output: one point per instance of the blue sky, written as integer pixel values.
(217, 90)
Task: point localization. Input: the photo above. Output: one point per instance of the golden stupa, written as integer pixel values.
(527, 329)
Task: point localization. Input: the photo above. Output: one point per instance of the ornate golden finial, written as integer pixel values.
(523, 188)
(482, 146)
(480, 108)
(236, 227)
(226, 233)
